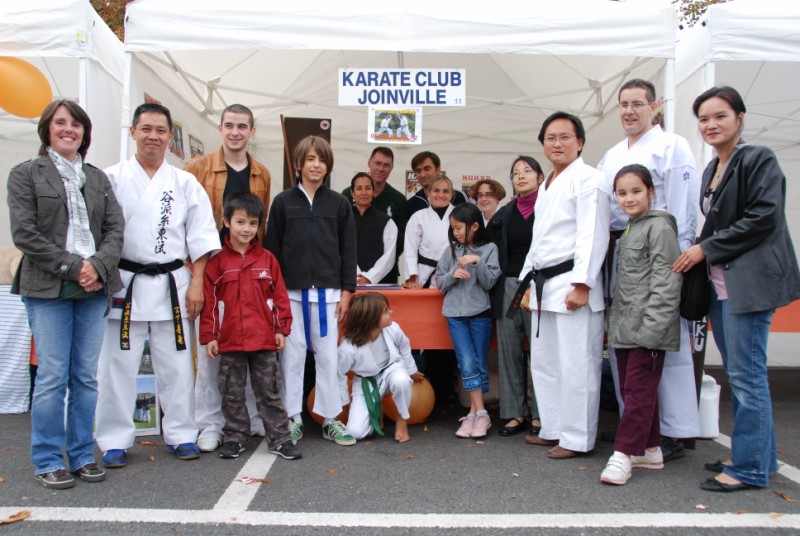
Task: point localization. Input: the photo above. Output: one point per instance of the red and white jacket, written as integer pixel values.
(246, 300)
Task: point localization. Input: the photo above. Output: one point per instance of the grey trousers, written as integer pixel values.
(513, 362)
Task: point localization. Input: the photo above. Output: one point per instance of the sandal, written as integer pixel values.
(511, 429)
(535, 428)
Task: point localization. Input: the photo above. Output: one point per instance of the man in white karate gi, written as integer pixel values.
(569, 244)
(168, 219)
(677, 184)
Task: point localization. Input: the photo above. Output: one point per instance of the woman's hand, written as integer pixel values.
(361, 280)
(578, 297)
(689, 259)
(88, 278)
(413, 283)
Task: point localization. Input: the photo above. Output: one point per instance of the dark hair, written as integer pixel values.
(638, 83)
(419, 158)
(726, 93)
(320, 146)
(238, 109)
(251, 204)
(151, 108)
(75, 111)
(496, 188)
(364, 316)
(638, 170)
(580, 133)
(467, 213)
(359, 175)
(531, 161)
(385, 151)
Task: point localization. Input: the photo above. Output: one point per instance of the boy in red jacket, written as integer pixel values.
(246, 320)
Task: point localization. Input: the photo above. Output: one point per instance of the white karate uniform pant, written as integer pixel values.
(293, 360)
(394, 379)
(116, 380)
(679, 413)
(208, 401)
(566, 363)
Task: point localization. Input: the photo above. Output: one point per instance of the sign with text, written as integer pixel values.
(402, 87)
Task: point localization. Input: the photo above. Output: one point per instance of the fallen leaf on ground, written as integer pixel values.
(617, 505)
(774, 515)
(151, 458)
(780, 451)
(784, 496)
(251, 480)
(510, 497)
(514, 474)
(479, 442)
(19, 516)
(410, 457)
(701, 507)
(425, 428)
(9, 449)
(331, 471)
(740, 512)
(149, 444)
(2, 479)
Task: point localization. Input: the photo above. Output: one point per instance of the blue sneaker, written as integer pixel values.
(184, 451)
(115, 458)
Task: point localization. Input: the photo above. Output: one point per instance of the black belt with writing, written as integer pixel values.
(151, 269)
(539, 277)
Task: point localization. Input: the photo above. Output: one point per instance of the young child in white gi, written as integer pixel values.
(379, 353)
(465, 274)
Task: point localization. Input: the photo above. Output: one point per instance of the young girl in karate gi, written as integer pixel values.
(465, 274)
(644, 321)
(379, 353)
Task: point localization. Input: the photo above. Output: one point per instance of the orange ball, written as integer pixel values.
(24, 90)
(422, 401)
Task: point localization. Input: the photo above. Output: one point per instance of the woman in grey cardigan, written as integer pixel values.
(68, 225)
(753, 270)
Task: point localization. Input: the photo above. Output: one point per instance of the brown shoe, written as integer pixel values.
(536, 440)
(560, 453)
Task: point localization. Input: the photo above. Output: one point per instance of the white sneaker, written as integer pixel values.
(207, 444)
(618, 469)
(650, 460)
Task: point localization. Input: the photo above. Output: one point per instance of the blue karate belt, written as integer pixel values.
(323, 317)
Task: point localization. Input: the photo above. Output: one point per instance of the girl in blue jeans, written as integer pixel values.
(465, 275)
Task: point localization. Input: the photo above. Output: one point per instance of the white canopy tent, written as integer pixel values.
(83, 61)
(753, 46)
(522, 62)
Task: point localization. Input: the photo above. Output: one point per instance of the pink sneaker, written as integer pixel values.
(482, 424)
(467, 424)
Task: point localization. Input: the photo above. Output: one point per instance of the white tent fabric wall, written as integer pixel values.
(522, 63)
(83, 61)
(753, 46)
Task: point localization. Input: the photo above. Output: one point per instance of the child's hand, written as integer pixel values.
(280, 341)
(461, 273)
(417, 377)
(525, 303)
(468, 259)
(212, 349)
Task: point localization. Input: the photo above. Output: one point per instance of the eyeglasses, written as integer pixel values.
(637, 105)
(484, 195)
(564, 138)
(518, 174)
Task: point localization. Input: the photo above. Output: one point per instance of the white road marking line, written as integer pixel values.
(238, 496)
(329, 519)
(789, 471)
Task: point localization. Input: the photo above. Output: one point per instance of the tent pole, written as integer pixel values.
(708, 83)
(83, 89)
(669, 95)
(125, 117)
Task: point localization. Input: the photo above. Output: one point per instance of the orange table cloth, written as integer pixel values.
(419, 313)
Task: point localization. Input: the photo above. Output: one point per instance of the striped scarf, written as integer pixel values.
(74, 179)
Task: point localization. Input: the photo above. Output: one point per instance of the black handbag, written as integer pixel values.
(695, 292)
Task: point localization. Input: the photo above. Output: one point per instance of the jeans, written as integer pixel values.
(68, 336)
(471, 336)
(742, 342)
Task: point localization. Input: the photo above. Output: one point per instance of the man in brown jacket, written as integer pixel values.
(230, 169)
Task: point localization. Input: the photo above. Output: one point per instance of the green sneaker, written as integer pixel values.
(337, 432)
(295, 431)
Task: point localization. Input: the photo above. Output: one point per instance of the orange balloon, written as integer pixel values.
(25, 90)
(422, 401)
(342, 416)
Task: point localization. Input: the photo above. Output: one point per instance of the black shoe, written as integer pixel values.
(716, 467)
(288, 451)
(672, 450)
(58, 479)
(91, 472)
(231, 449)
(712, 484)
(508, 431)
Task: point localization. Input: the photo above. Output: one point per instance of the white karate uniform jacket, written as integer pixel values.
(426, 234)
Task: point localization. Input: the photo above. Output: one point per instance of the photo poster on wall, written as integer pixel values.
(146, 410)
(294, 130)
(658, 116)
(394, 126)
(196, 147)
(412, 186)
(468, 185)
